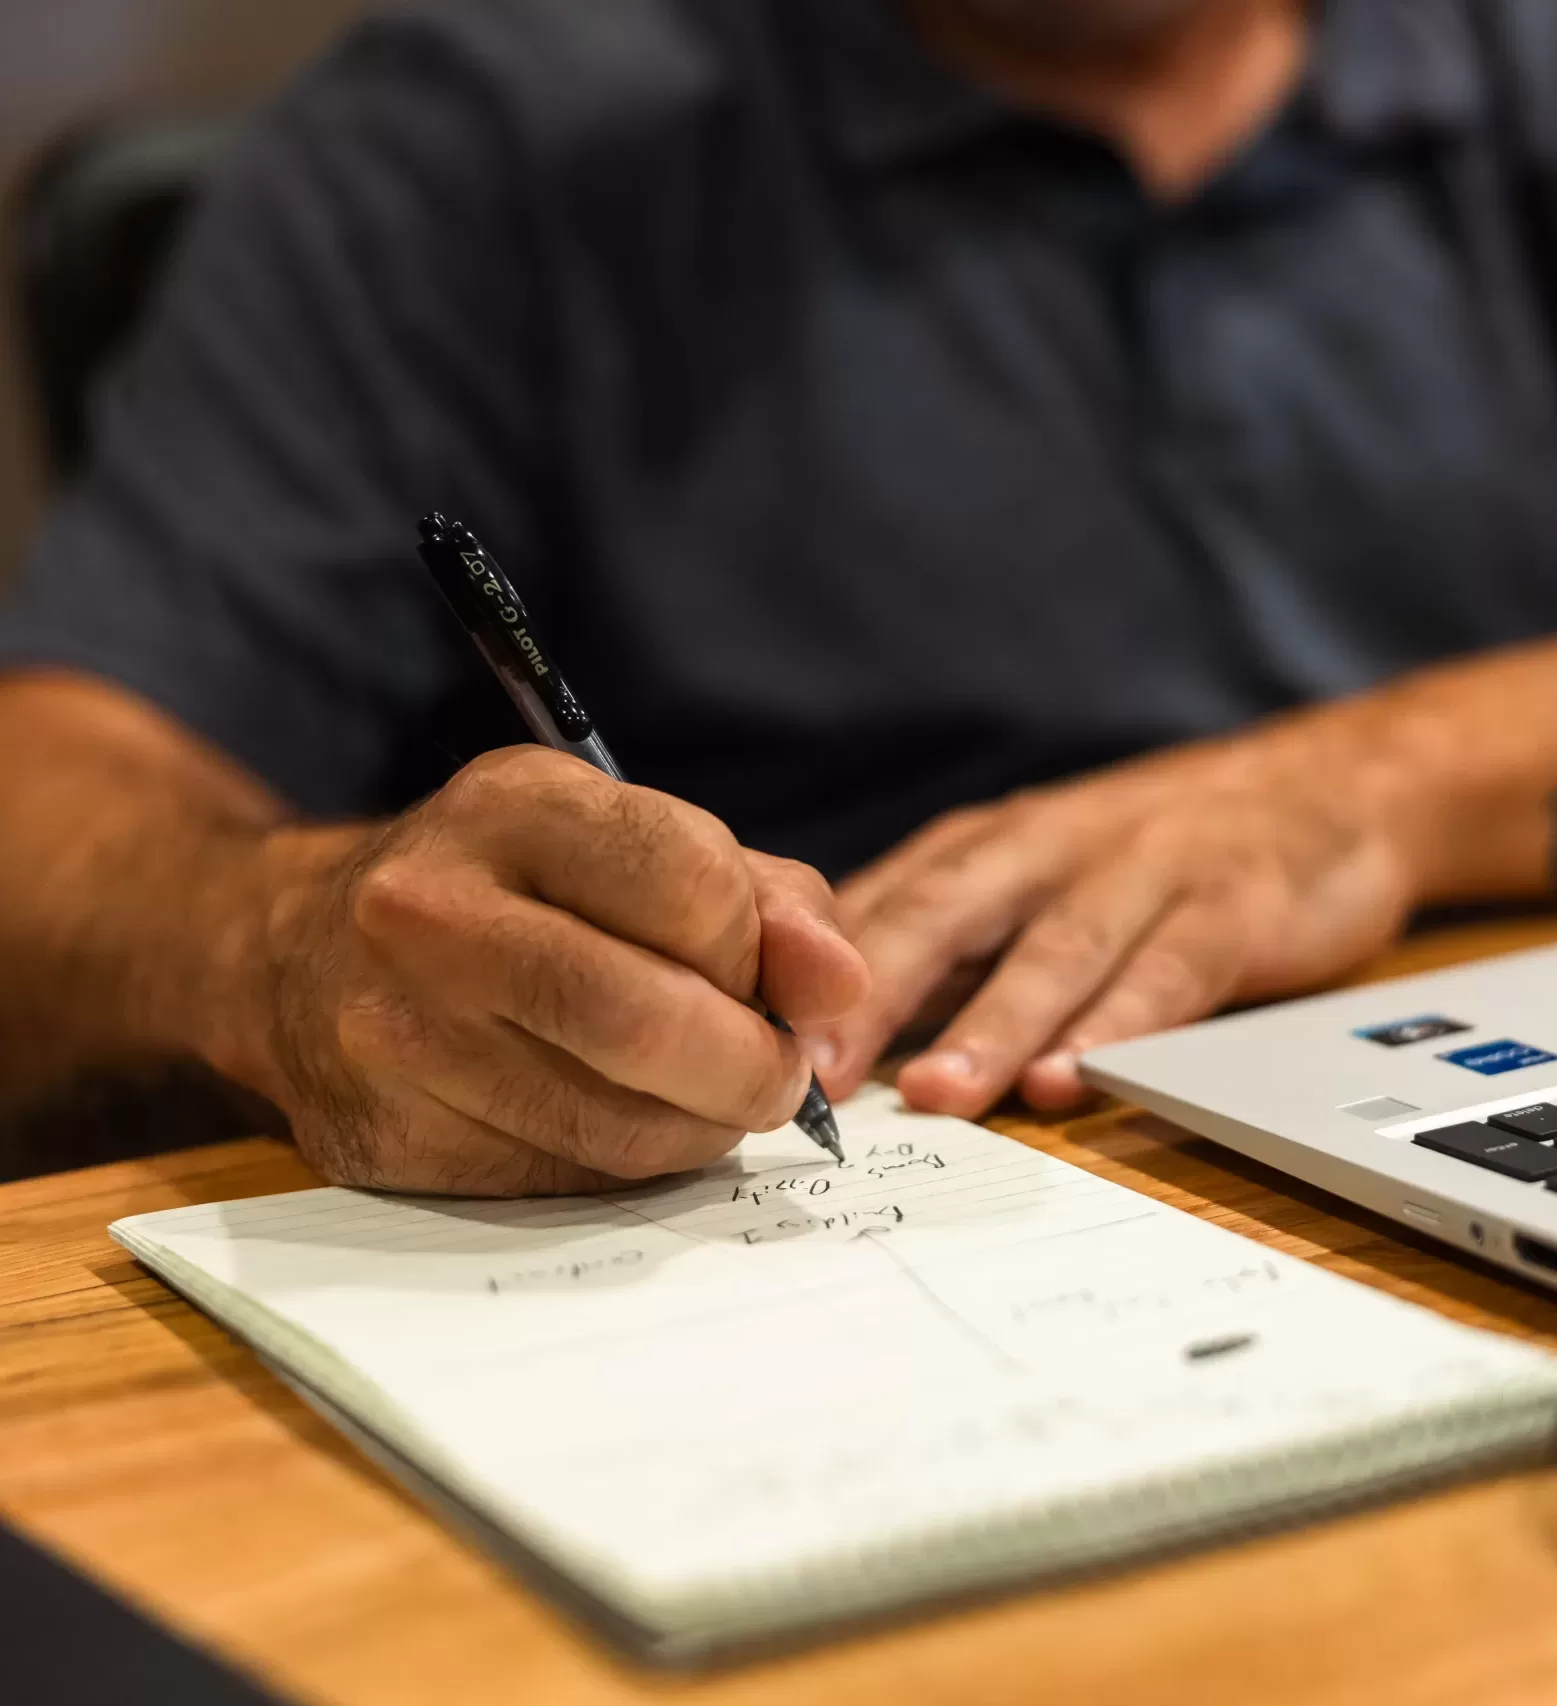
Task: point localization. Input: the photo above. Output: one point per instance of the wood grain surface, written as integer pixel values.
(140, 1441)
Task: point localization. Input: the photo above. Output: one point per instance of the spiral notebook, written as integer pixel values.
(783, 1393)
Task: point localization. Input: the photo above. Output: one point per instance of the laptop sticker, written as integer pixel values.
(1492, 1059)
(1421, 1029)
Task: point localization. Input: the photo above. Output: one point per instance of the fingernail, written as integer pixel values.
(1050, 1076)
(952, 1062)
(823, 1052)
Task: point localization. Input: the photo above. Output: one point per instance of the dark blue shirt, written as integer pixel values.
(865, 446)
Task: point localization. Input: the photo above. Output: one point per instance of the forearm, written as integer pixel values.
(133, 873)
(1458, 762)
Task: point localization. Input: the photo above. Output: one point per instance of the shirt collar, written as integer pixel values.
(1382, 71)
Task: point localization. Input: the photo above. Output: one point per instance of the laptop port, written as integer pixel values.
(1536, 1252)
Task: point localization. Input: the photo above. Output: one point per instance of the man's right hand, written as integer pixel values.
(536, 982)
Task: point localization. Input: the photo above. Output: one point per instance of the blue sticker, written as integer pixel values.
(1401, 1033)
(1493, 1059)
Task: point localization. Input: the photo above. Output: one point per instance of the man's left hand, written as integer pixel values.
(1126, 902)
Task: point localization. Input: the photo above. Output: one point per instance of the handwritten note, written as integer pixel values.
(767, 1365)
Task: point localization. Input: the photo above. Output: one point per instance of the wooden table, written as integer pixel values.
(140, 1441)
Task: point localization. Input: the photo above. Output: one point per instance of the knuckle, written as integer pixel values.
(1162, 836)
(946, 838)
(802, 877)
(927, 895)
(483, 785)
(1063, 939)
(1167, 982)
(960, 819)
(1258, 882)
(489, 785)
(571, 798)
(801, 886)
(708, 870)
(706, 896)
(393, 898)
(639, 822)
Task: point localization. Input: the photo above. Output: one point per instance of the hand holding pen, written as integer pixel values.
(534, 983)
(787, 901)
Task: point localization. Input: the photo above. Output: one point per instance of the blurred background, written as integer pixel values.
(66, 63)
(112, 75)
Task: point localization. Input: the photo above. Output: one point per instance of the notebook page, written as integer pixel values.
(781, 1364)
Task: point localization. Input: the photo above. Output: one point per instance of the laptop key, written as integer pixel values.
(1539, 1120)
(1503, 1152)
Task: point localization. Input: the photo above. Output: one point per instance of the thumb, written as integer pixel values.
(810, 971)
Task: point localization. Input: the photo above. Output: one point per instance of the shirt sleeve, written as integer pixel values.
(346, 341)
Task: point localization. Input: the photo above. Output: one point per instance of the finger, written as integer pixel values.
(942, 839)
(810, 971)
(412, 1141)
(641, 865)
(1052, 826)
(638, 1020)
(520, 1092)
(945, 1002)
(377, 1131)
(1053, 971)
(963, 904)
(1185, 969)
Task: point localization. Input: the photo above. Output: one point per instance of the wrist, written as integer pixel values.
(1457, 829)
(276, 905)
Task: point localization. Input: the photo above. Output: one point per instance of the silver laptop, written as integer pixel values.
(1431, 1099)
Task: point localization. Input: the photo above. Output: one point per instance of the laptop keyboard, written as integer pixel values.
(1519, 1143)
(1539, 1121)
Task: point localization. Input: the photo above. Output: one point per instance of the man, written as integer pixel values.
(904, 416)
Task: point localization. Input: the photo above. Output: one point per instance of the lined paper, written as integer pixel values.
(694, 1388)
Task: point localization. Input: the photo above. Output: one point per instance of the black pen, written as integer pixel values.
(494, 616)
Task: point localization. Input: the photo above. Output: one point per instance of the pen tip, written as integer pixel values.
(824, 1128)
(431, 526)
